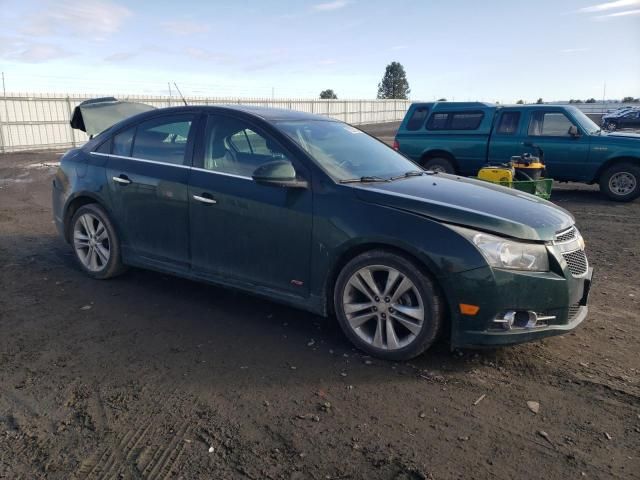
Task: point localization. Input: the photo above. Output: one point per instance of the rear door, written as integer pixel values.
(147, 173)
(241, 230)
(505, 141)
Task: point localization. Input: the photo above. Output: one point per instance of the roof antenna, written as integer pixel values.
(181, 96)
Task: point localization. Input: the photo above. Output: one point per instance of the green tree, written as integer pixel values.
(442, 99)
(575, 101)
(520, 102)
(328, 94)
(540, 101)
(630, 100)
(394, 84)
(590, 100)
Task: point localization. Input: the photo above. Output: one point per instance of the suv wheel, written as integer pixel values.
(621, 182)
(95, 242)
(386, 306)
(439, 164)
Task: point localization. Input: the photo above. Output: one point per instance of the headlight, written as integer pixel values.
(511, 254)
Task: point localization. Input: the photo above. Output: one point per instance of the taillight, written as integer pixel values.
(396, 145)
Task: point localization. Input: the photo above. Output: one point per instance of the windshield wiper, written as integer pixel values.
(410, 173)
(364, 179)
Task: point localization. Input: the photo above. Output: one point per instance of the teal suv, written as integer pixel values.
(458, 137)
(316, 214)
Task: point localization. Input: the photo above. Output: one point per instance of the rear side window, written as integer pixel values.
(122, 143)
(163, 139)
(508, 123)
(455, 121)
(417, 118)
(466, 121)
(438, 121)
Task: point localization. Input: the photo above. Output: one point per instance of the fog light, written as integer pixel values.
(522, 319)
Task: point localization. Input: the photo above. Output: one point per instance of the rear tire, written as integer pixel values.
(95, 242)
(621, 182)
(440, 165)
(387, 306)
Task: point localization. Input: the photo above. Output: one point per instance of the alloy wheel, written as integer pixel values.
(622, 183)
(91, 242)
(383, 307)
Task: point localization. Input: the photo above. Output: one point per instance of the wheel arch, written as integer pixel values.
(423, 264)
(435, 153)
(73, 204)
(614, 161)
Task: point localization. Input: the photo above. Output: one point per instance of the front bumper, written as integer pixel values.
(562, 297)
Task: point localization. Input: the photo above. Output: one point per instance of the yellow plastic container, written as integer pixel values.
(502, 175)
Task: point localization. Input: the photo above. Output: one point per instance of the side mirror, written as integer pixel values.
(573, 131)
(279, 173)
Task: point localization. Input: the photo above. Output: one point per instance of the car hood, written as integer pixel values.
(619, 135)
(472, 203)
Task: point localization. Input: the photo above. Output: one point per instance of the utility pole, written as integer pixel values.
(169, 85)
(4, 143)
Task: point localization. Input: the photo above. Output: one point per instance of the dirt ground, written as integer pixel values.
(149, 376)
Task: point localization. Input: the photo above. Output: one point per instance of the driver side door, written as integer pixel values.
(565, 156)
(242, 231)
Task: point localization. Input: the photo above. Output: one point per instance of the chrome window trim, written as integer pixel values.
(140, 160)
(99, 154)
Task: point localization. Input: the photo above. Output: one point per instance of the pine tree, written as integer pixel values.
(394, 84)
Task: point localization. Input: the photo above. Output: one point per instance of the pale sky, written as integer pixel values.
(458, 49)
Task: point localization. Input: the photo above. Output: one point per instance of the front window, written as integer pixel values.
(585, 122)
(549, 124)
(345, 152)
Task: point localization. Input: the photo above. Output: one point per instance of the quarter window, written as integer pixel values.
(122, 143)
(455, 121)
(438, 121)
(233, 147)
(466, 121)
(508, 124)
(417, 118)
(163, 139)
(549, 124)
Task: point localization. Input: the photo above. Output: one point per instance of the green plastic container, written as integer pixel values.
(540, 188)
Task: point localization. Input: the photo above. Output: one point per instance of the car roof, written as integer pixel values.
(266, 113)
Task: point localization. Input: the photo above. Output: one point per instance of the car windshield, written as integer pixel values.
(345, 152)
(585, 122)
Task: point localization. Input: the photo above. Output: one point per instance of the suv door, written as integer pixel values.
(147, 174)
(565, 156)
(240, 230)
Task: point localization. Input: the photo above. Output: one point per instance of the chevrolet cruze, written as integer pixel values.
(316, 214)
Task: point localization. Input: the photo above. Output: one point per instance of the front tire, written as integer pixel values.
(621, 182)
(95, 242)
(386, 306)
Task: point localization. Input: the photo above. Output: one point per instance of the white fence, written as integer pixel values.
(39, 121)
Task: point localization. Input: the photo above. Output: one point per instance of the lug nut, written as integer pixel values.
(383, 315)
(375, 309)
(377, 299)
(391, 310)
(387, 299)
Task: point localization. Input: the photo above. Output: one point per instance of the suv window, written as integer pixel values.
(122, 142)
(549, 124)
(508, 124)
(233, 146)
(163, 139)
(466, 120)
(438, 121)
(417, 118)
(455, 121)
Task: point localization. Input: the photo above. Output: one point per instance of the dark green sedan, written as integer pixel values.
(316, 214)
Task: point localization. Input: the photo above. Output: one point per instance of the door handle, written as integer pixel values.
(205, 198)
(122, 180)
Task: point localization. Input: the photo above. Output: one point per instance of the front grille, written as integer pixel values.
(577, 262)
(574, 310)
(566, 236)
